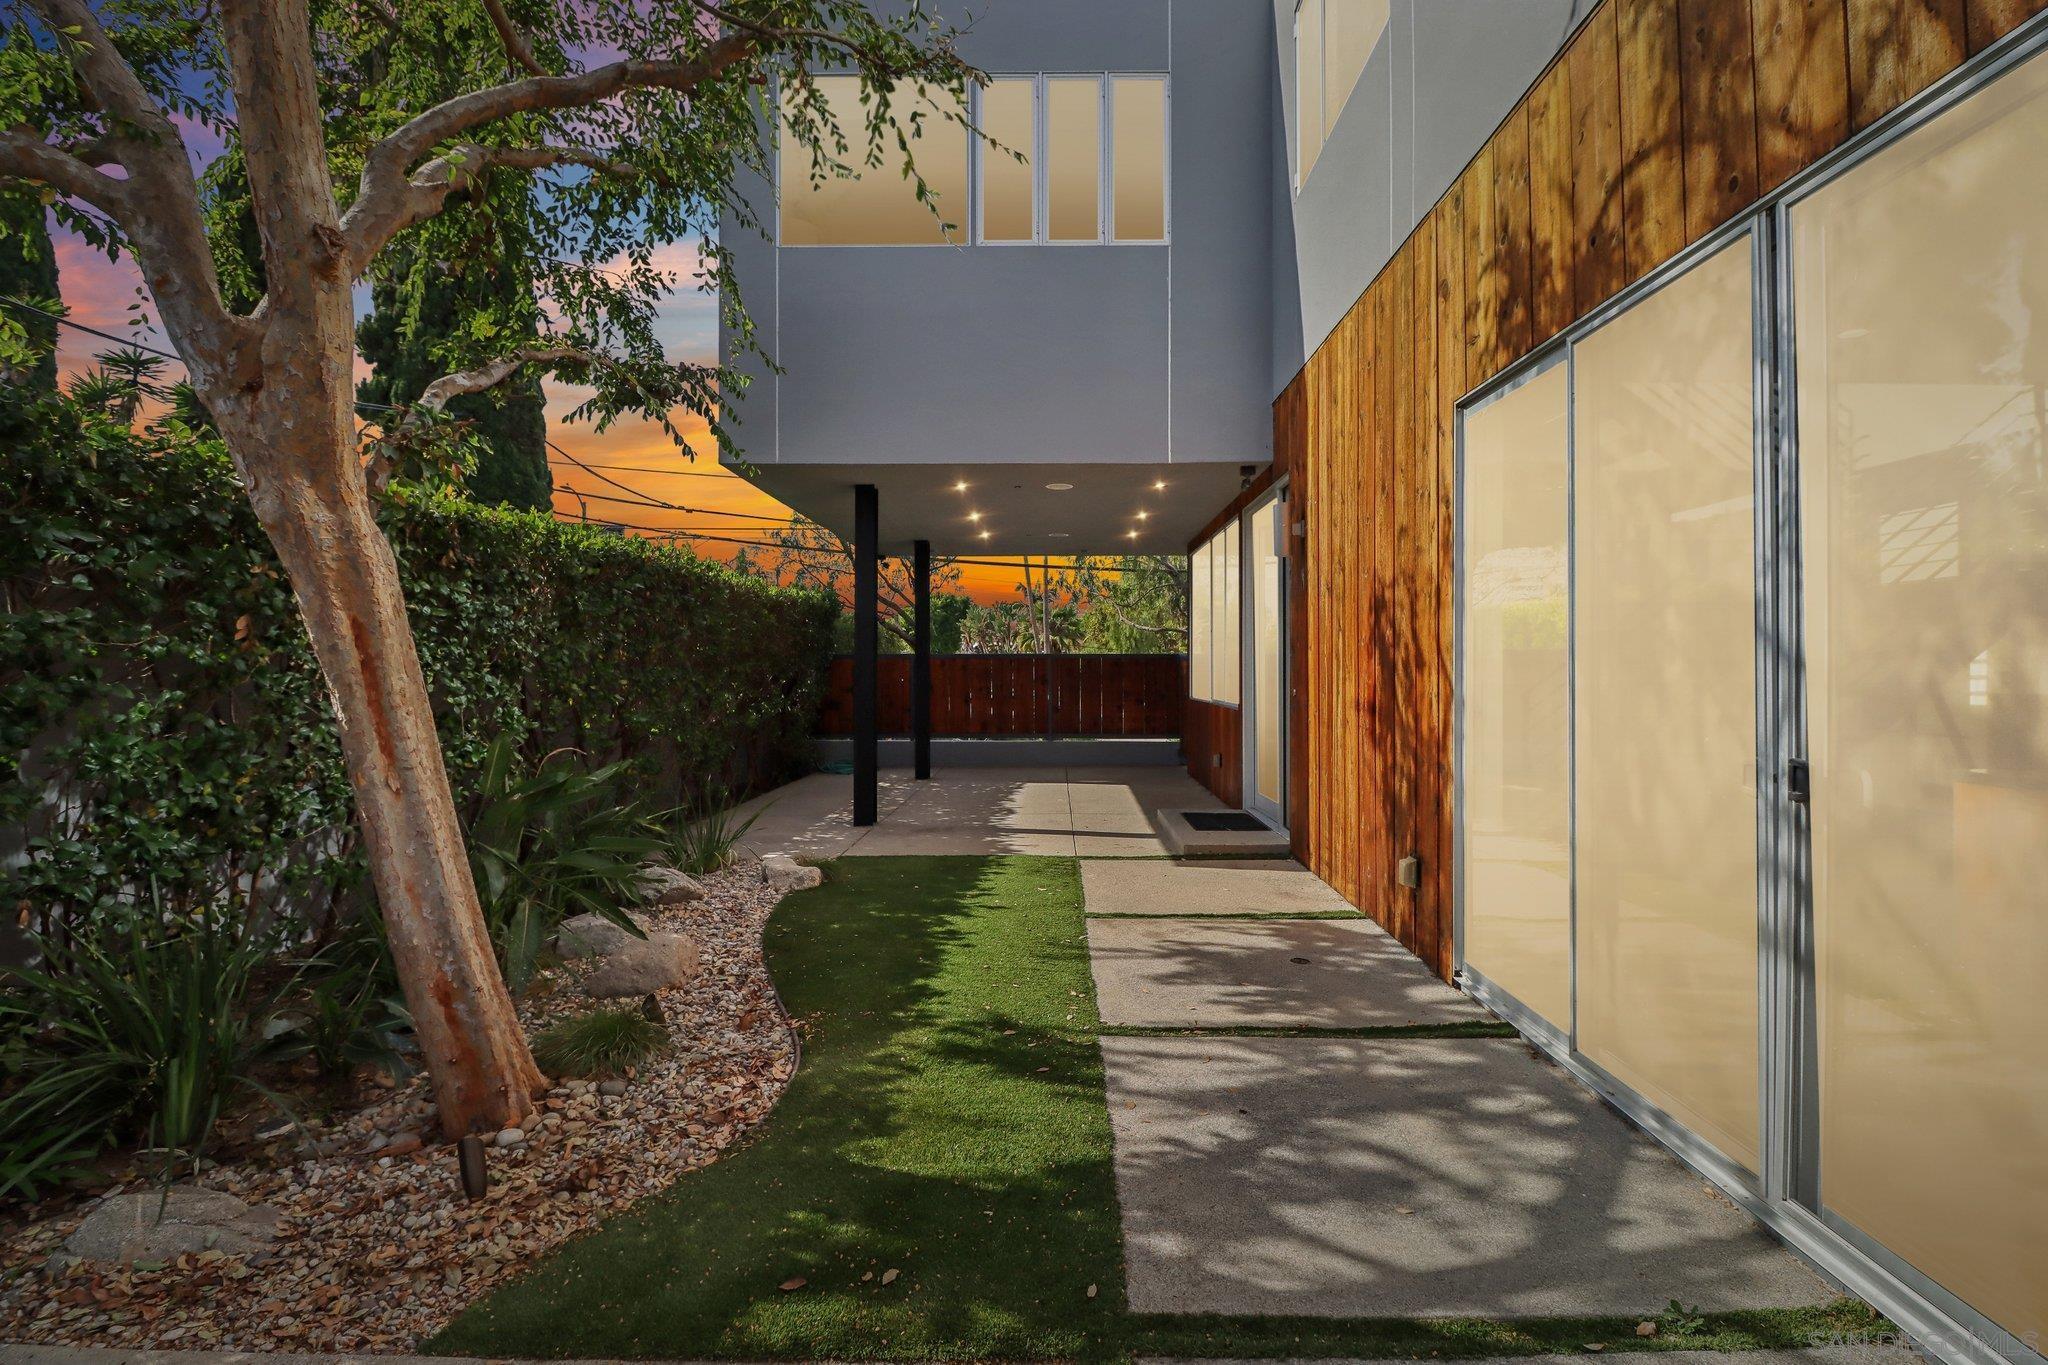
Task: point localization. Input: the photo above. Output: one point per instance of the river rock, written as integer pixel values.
(785, 873)
(660, 884)
(147, 1225)
(644, 966)
(592, 935)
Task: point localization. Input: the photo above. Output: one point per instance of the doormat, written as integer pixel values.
(1220, 821)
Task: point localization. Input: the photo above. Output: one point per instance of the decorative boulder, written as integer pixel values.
(149, 1226)
(785, 873)
(644, 966)
(660, 884)
(591, 936)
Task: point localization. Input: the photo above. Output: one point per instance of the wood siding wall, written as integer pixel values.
(1095, 695)
(1212, 741)
(1662, 120)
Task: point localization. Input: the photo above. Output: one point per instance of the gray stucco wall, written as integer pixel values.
(1445, 73)
(1105, 354)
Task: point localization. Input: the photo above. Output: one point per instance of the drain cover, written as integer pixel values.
(1233, 821)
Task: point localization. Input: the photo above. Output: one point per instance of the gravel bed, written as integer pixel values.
(375, 1252)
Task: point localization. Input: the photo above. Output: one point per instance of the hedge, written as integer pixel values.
(162, 720)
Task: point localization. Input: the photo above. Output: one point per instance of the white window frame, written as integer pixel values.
(1105, 193)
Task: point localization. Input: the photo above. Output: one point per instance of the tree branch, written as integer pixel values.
(368, 225)
(386, 191)
(100, 66)
(437, 395)
(516, 46)
(24, 156)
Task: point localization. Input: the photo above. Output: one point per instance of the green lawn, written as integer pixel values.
(948, 1122)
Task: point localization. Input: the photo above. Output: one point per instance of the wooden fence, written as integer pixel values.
(1120, 695)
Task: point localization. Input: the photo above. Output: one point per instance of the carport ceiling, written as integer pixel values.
(1055, 509)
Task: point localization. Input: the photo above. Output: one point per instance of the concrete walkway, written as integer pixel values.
(1371, 1176)
(1093, 812)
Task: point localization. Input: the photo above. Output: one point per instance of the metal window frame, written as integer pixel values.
(1786, 1195)
(1105, 186)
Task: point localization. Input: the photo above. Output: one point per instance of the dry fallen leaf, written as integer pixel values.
(889, 1276)
(1091, 1291)
(793, 1282)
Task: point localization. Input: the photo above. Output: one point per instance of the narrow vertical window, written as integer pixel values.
(1138, 107)
(1073, 158)
(1199, 623)
(1308, 87)
(1009, 123)
(1228, 615)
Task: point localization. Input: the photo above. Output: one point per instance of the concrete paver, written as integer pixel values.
(1301, 973)
(1092, 811)
(1410, 1178)
(1207, 886)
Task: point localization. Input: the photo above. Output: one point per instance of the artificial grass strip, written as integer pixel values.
(949, 1122)
(1468, 1028)
(1232, 915)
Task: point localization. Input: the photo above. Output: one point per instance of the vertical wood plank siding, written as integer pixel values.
(1130, 696)
(1662, 120)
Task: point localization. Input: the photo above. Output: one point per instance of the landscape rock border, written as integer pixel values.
(374, 1246)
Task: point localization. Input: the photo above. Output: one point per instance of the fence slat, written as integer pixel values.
(1128, 695)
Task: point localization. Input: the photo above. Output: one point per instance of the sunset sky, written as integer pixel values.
(637, 454)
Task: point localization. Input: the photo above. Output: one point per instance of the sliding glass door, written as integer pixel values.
(1922, 381)
(1266, 603)
(1753, 800)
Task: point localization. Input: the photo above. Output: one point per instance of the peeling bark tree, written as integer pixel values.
(661, 132)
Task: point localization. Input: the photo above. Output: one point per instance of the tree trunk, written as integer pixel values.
(304, 486)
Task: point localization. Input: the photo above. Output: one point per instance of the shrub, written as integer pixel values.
(143, 1023)
(551, 844)
(702, 842)
(161, 714)
(601, 1043)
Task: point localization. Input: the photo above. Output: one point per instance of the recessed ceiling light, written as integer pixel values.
(985, 535)
(1057, 535)
(1060, 487)
(1159, 486)
(1132, 534)
(960, 487)
(974, 516)
(1142, 514)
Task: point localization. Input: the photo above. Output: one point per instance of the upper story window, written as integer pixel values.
(1094, 167)
(1332, 40)
(881, 207)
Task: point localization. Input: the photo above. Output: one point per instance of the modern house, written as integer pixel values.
(1611, 437)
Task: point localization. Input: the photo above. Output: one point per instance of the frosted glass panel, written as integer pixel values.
(1073, 158)
(1665, 594)
(1268, 642)
(1308, 86)
(1922, 347)
(1138, 105)
(1228, 613)
(1009, 122)
(1200, 649)
(1515, 723)
(879, 208)
(1351, 29)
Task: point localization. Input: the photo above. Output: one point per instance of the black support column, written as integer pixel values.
(921, 660)
(866, 569)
